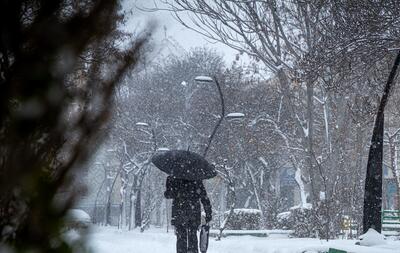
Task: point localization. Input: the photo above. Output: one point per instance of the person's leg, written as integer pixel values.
(193, 245)
(181, 239)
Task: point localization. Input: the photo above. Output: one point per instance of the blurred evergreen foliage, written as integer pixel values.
(59, 63)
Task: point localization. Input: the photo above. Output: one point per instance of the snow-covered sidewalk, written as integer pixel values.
(112, 240)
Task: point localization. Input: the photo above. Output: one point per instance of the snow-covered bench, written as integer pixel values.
(258, 233)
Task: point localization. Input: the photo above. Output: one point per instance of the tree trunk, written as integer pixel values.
(122, 191)
(95, 210)
(108, 204)
(232, 196)
(310, 147)
(131, 206)
(138, 209)
(354, 215)
(305, 186)
(373, 181)
(257, 195)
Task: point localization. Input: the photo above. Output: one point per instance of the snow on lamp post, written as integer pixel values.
(144, 124)
(163, 149)
(207, 79)
(235, 116)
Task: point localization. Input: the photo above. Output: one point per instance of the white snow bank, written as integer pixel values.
(372, 238)
(305, 206)
(71, 236)
(78, 215)
(284, 215)
(108, 239)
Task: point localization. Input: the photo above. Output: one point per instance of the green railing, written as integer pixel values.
(332, 250)
(391, 220)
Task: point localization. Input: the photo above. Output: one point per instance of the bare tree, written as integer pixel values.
(277, 33)
(302, 43)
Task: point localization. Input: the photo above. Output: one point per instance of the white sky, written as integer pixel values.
(184, 36)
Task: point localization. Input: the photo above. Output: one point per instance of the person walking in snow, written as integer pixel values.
(186, 211)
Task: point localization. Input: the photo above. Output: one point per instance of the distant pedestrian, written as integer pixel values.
(186, 211)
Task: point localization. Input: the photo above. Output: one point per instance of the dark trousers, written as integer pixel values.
(186, 239)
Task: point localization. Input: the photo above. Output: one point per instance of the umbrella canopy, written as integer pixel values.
(184, 165)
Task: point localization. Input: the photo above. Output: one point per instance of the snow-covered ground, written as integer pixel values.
(112, 240)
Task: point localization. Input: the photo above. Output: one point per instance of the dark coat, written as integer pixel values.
(187, 195)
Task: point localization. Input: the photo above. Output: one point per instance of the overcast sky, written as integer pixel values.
(184, 36)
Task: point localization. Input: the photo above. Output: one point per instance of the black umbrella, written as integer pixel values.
(184, 165)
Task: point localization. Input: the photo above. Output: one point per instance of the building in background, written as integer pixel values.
(390, 190)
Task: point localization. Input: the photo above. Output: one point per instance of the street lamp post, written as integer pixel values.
(232, 116)
(208, 79)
